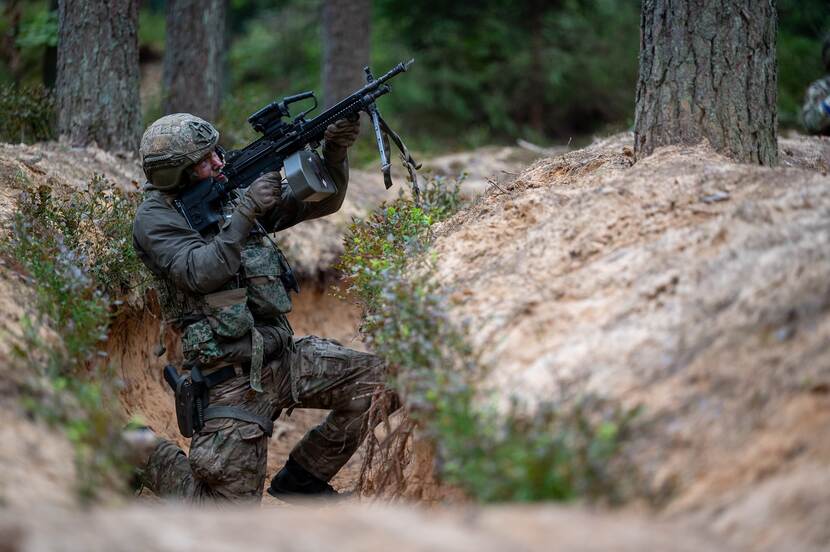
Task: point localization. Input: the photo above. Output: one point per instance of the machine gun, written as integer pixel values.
(292, 144)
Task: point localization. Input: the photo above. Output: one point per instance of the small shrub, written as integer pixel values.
(75, 251)
(27, 114)
(441, 197)
(67, 298)
(95, 225)
(494, 454)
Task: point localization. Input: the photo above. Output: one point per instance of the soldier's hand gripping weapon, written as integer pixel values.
(292, 144)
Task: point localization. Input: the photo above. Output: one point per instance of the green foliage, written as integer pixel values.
(74, 250)
(553, 453)
(276, 53)
(79, 398)
(95, 224)
(27, 113)
(22, 62)
(66, 294)
(40, 30)
(509, 70)
(545, 71)
(381, 244)
(498, 71)
(441, 197)
(494, 454)
(151, 29)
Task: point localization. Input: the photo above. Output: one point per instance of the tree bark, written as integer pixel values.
(345, 47)
(9, 50)
(708, 71)
(97, 78)
(194, 57)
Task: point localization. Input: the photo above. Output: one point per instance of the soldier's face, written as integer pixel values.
(208, 166)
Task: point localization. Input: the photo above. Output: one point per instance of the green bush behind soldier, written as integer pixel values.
(223, 290)
(816, 110)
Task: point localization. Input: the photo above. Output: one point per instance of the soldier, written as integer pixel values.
(816, 110)
(225, 290)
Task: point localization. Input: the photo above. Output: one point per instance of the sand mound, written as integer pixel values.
(694, 286)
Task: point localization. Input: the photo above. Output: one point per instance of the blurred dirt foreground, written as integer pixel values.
(685, 283)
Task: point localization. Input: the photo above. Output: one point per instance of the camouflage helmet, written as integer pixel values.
(171, 145)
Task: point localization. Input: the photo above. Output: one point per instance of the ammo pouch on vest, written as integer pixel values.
(226, 316)
(193, 407)
(266, 273)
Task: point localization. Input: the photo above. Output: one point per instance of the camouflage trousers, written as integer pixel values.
(228, 457)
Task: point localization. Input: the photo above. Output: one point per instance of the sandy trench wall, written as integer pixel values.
(686, 283)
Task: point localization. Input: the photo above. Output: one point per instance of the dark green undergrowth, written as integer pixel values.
(74, 251)
(27, 113)
(494, 448)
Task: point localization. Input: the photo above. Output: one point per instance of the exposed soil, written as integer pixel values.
(691, 285)
(688, 284)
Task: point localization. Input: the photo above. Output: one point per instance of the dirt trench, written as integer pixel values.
(570, 229)
(313, 248)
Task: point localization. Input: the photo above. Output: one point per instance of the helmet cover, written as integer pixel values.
(171, 145)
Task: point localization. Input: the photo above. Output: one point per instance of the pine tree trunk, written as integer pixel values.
(9, 50)
(345, 47)
(194, 57)
(97, 79)
(50, 56)
(708, 71)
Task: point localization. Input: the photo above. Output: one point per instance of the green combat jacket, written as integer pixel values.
(199, 278)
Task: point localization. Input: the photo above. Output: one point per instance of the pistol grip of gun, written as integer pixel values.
(171, 376)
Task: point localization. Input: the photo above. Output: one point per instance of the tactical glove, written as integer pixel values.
(342, 133)
(261, 196)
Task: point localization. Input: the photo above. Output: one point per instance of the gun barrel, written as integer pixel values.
(357, 101)
(396, 70)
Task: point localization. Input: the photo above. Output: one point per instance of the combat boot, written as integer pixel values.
(293, 482)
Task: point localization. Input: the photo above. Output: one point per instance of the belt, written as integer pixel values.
(220, 375)
(237, 413)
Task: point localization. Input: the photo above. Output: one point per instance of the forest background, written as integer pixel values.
(487, 72)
